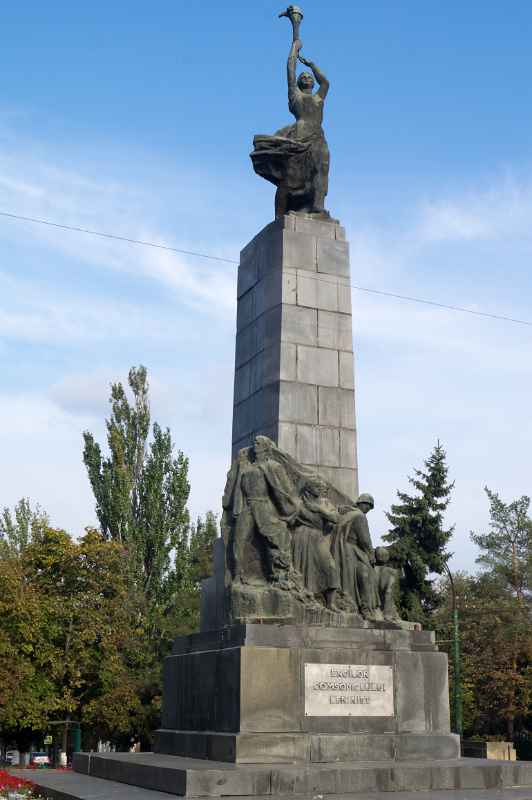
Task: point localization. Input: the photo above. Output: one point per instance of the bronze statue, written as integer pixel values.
(365, 574)
(297, 549)
(311, 541)
(296, 157)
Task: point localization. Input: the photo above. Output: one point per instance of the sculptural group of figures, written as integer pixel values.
(286, 527)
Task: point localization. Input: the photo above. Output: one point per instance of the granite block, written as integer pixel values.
(269, 689)
(347, 371)
(317, 366)
(287, 437)
(307, 444)
(299, 325)
(333, 257)
(315, 292)
(335, 330)
(299, 251)
(410, 697)
(344, 296)
(348, 453)
(288, 362)
(298, 402)
(245, 310)
(329, 447)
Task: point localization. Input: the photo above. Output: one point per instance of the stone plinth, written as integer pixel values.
(241, 695)
(294, 378)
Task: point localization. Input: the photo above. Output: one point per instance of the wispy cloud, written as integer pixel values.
(422, 373)
(503, 210)
(41, 189)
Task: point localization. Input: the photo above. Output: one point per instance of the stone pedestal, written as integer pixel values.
(261, 694)
(294, 379)
(243, 716)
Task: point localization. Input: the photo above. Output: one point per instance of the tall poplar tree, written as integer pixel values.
(141, 490)
(419, 537)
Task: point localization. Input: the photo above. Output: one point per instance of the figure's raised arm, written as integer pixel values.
(291, 71)
(321, 80)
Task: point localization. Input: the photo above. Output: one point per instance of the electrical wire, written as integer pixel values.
(196, 254)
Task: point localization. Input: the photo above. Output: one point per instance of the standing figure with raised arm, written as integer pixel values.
(296, 157)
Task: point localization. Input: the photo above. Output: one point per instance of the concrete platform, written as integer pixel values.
(73, 786)
(197, 778)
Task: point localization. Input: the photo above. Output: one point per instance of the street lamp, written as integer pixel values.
(457, 684)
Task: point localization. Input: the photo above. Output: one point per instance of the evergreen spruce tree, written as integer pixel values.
(419, 537)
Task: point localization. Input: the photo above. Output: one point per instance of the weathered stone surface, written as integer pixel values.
(75, 786)
(293, 542)
(333, 257)
(194, 778)
(317, 366)
(294, 325)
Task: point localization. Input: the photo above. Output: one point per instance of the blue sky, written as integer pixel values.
(138, 120)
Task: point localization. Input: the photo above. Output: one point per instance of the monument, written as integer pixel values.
(294, 375)
(303, 680)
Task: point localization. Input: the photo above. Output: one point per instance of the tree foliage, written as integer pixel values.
(19, 527)
(141, 490)
(506, 550)
(496, 653)
(85, 625)
(71, 645)
(419, 537)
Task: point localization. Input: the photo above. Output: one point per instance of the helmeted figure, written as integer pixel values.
(295, 545)
(371, 585)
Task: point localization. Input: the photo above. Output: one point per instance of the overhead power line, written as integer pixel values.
(114, 236)
(195, 254)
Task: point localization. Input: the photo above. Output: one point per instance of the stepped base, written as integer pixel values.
(282, 748)
(188, 777)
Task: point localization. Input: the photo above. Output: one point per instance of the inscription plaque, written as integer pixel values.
(348, 690)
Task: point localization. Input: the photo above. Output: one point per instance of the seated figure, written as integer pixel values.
(369, 584)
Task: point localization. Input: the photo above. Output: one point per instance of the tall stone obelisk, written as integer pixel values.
(294, 378)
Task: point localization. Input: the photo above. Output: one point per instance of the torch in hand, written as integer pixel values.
(295, 15)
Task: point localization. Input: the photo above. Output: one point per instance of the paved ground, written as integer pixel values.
(73, 786)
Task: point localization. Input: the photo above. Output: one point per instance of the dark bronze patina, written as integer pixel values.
(296, 157)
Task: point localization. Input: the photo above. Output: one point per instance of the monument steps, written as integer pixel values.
(187, 777)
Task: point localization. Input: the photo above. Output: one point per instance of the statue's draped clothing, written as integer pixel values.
(296, 157)
(311, 546)
(352, 551)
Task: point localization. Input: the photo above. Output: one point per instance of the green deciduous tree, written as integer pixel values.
(507, 547)
(419, 537)
(71, 637)
(496, 652)
(141, 489)
(17, 528)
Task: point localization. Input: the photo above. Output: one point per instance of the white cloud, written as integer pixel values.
(38, 188)
(501, 211)
(422, 373)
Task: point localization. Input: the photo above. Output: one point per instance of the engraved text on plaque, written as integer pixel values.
(348, 690)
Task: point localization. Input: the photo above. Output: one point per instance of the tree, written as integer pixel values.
(141, 490)
(496, 652)
(507, 547)
(418, 536)
(18, 529)
(72, 643)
